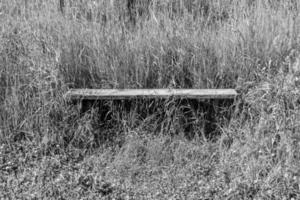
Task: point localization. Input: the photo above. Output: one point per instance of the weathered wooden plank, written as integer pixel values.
(98, 94)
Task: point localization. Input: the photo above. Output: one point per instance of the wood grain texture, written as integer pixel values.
(95, 94)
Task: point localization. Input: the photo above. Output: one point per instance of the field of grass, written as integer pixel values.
(47, 149)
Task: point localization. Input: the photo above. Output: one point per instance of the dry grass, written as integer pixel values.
(47, 148)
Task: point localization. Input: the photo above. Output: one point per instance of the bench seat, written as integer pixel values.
(119, 94)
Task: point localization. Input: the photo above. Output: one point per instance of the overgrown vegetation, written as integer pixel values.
(47, 149)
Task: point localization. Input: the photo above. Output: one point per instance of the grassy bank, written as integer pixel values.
(47, 148)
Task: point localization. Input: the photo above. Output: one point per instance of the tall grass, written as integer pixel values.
(252, 46)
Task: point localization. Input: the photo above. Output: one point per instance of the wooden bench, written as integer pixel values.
(105, 94)
(204, 98)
